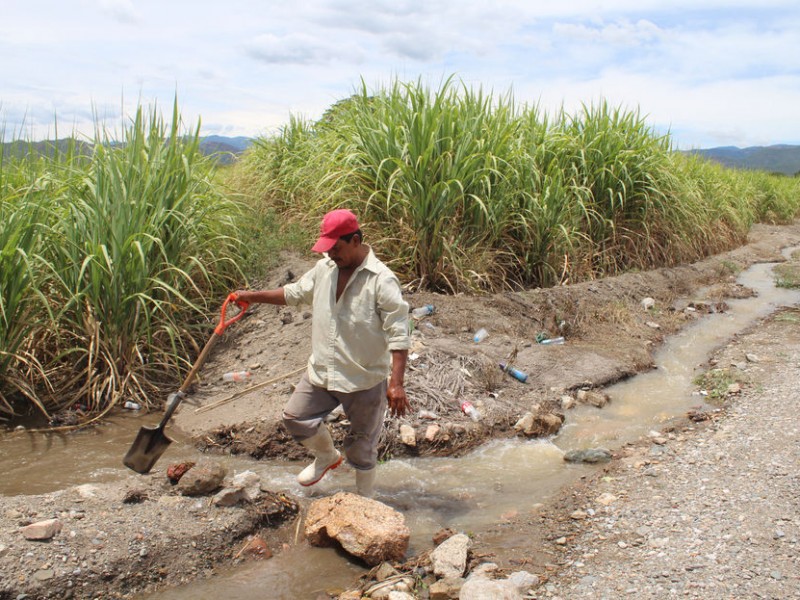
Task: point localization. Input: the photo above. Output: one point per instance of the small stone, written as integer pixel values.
(432, 431)
(408, 435)
(43, 530)
(578, 515)
(43, 574)
(562, 541)
(606, 499)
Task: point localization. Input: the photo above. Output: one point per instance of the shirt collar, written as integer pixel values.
(371, 263)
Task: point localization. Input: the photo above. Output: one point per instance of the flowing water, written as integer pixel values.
(499, 479)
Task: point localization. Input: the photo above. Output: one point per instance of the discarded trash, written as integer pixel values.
(131, 405)
(515, 373)
(236, 376)
(469, 410)
(427, 414)
(480, 335)
(552, 341)
(422, 311)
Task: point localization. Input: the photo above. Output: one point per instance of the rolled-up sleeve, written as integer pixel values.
(394, 312)
(302, 290)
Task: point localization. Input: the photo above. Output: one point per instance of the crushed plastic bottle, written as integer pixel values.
(131, 405)
(515, 373)
(237, 376)
(480, 335)
(552, 341)
(422, 311)
(469, 409)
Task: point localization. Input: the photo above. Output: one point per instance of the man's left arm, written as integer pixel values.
(396, 392)
(394, 312)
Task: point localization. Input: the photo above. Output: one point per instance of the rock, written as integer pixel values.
(568, 402)
(385, 571)
(408, 435)
(244, 487)
(539, 425)
(431, 432)
(389, 588)
(203, 478)
(87, 490)
(442, 535)
(177, 470)
(249, 482)
(597, 399)
(395, 595)
(448, 588)
(480, 586)
(449, 559)
(606, 499)
(589, 455)
(363, 527)
(43, 530)
(255, 547)
(229, 496)
(653, 325)
(43, 574)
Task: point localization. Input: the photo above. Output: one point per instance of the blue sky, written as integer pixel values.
(713, 73)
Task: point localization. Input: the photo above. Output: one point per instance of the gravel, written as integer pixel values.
(710, 510)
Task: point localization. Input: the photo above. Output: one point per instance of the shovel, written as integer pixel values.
(151, 442)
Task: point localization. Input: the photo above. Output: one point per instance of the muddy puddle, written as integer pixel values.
(499, 480)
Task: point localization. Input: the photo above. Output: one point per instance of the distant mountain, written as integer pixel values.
(225, 149)
(780, 158)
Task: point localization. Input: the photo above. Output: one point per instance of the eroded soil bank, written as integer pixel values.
(112, 548)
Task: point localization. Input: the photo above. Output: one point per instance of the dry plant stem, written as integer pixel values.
(246, 391)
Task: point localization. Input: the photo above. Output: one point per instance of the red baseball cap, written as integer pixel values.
(334, 225)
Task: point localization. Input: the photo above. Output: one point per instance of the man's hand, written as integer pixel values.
(398, 402)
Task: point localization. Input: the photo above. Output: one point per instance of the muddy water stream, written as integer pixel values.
(501, 478)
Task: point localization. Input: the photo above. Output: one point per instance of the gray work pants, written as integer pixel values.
(365, 409)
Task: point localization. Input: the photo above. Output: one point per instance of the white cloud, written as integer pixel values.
(121, 10)
(301, 49)
(250, 62)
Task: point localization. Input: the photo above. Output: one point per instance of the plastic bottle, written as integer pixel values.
(515, 373)
(480, 335)
(552, 341)
(131, 405)
(469, 410)
(422, 311)
(237, 376)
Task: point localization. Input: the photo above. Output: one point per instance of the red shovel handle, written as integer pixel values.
(223, 324)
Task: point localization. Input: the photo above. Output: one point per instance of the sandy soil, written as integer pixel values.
(610, 336)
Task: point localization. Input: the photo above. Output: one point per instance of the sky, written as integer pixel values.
(708, 72)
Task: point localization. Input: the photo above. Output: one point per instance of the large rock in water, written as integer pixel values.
(363, 527)
(201, 479)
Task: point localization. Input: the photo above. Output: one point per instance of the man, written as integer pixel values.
(359, 320)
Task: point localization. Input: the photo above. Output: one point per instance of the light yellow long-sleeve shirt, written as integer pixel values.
(352, 339)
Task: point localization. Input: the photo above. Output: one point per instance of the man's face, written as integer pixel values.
(345, 254)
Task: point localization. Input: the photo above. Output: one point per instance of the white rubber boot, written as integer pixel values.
(326, 457)
(365, 482)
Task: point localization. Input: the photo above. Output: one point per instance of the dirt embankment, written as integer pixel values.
(111, 548)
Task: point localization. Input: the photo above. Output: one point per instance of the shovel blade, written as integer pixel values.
(146, 449)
